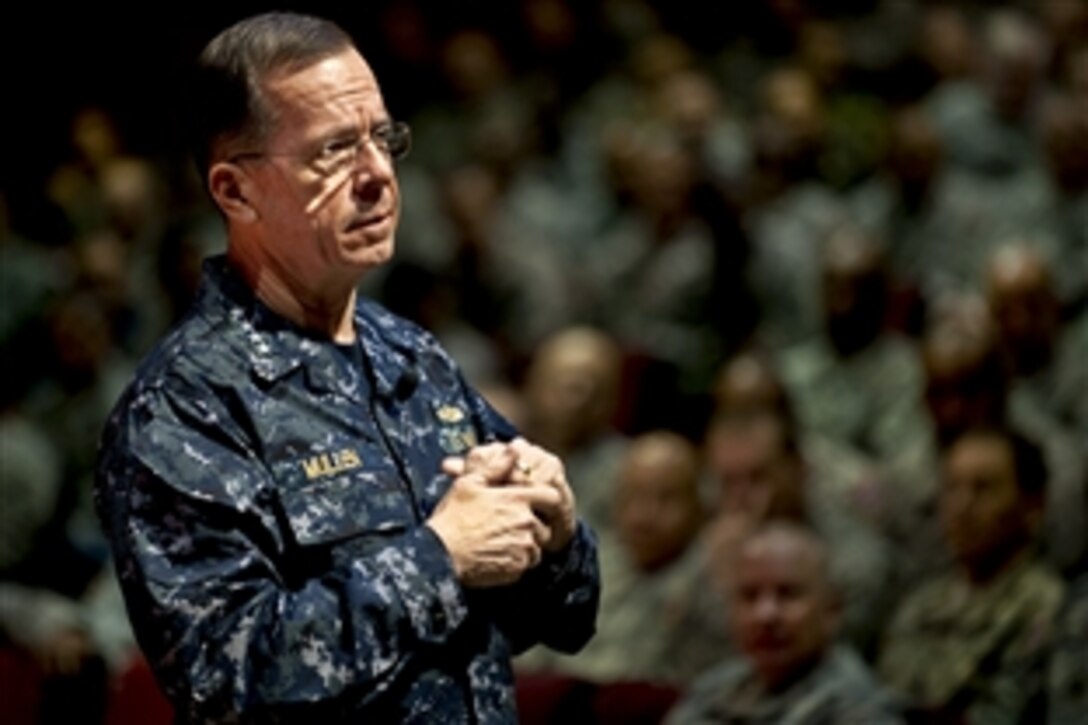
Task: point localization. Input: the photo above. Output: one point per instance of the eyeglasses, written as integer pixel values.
(341, 154)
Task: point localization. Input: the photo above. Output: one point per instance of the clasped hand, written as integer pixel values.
(509, 503)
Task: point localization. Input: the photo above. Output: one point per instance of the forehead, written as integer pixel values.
(581, 354)
(980, 453)
(652, 478)
(337, 89)
(749, 444)
(777, 559)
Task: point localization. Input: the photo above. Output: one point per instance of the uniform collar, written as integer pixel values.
(277, 346)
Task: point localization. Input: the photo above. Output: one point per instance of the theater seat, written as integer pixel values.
(136, 699)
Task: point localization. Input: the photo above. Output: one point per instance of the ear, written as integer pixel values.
(232, 189)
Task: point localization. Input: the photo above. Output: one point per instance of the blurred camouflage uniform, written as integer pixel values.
(851, 480)
(957, 647)
(592, 470)
(655, 294)
(840, 689)
(787, 241)
(266, 492)
(910, 512)
(1067, 687)
(1065, 528)
(1060, 390)
(862, 570)
(639, 633)
(870, 401)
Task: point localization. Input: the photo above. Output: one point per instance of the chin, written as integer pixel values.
(368, 253)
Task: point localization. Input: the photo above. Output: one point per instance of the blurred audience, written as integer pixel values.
(827, 240)
(748, 386)
(970, 645)
(650, 568)
(572, 393)
(761, 474)
(784, 614)
(1067, 681)
(858, 382)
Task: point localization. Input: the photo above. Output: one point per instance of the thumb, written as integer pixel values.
(453, 466)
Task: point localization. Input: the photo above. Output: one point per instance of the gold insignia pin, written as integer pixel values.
(450, 414)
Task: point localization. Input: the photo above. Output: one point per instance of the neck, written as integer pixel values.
(326, 308)
(777, 680)
(984, 569)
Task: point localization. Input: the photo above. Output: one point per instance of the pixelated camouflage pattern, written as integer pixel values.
(264, 499)
(840, 690)
(1067, 684)
(976, 650)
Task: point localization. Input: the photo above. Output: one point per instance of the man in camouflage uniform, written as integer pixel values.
(652, 570)
(572, 392)
(1067, 685)
(762, 474)
(857, 384)
(313, 517)
(969, 645)
(1048, 393)
(784, 615)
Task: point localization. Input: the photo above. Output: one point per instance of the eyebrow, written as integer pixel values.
(351, 130)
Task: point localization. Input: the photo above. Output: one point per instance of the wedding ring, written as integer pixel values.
(523, 467)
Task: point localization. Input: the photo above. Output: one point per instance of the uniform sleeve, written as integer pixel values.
(556, 603)
(231, 618)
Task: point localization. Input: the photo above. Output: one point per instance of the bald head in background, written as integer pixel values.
(657, 506)
(572, 386)
(784, 611)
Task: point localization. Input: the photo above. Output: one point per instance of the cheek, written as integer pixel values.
(807, 626)
(744, 623)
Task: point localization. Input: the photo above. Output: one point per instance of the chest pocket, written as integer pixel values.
(349, 498)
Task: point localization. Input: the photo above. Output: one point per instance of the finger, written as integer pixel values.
(493, 460)
(471, 479)
(534, 464)
(545, 473)
(453, 466)
(542, 534)
(534, 554)
(543, 498)
(482, 454)
(522, 472)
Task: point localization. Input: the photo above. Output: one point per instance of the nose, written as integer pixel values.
(957, 504)
(767, 608)
(372, 171)
(372, 158)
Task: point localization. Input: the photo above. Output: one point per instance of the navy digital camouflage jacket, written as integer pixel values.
(265, 495)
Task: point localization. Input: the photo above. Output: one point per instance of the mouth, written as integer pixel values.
(768, 642)
(368, 222)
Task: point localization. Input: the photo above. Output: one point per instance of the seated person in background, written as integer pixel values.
(784, 615)
(1067, 680)
(762, 473)
(1048, 385)
(969, 645)
(651, 568)
(54, 651)
(571, 395)
(858, 383)
(748, 385)
(966, 385)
